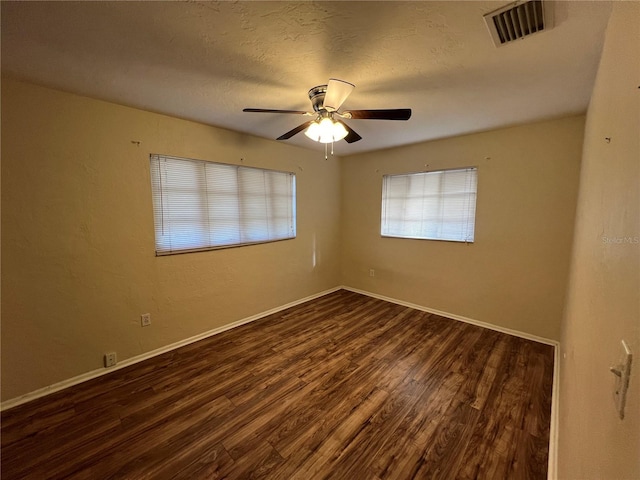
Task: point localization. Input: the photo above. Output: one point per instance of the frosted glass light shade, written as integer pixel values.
(326, 131)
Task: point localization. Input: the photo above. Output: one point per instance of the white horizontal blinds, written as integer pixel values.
(202, 205)
(282, 214)
(224, 201)
(266, 206)
(180, 204)
(459, 191)
(436, 205)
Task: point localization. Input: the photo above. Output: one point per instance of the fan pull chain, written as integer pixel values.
(326, 150)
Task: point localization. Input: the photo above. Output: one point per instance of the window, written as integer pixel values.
(438, 205)
(200, 205)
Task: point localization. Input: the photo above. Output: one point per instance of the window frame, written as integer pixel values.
(202, 218)
(385, 219)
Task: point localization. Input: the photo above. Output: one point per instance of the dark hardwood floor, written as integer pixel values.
(342, 387)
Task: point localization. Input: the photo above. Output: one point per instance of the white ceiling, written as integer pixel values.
(205, 61)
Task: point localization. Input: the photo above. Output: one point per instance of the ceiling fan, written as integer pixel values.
(327, 126)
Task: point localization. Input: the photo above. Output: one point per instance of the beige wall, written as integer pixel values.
(78, 248)
(515, 273)
(78, 239)
(603, 305)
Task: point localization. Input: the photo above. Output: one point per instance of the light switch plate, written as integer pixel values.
(622, 371)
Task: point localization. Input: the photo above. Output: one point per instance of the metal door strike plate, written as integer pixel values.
(622, 372)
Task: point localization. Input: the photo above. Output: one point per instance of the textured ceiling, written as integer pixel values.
(205, 61)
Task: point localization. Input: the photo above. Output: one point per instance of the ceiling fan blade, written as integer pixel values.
(337, 93)
(266, 110)
(391, 114)
(296, 130)
(352, 136)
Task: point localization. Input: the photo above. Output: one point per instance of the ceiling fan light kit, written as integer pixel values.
(326, 101)
(326, 131)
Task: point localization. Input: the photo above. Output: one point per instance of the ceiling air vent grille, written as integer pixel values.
(518, 20)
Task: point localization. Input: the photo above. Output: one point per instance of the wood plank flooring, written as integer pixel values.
(342, 387)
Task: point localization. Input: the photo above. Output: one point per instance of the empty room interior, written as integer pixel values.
(300, 240)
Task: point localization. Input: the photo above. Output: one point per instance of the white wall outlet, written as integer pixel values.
(372, 272)
(622, 371)
(110, 359)
(145, 319)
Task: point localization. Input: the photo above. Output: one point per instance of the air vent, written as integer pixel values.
(518, 20)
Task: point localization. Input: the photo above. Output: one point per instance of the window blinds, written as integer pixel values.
(437, 205)
(199, 205)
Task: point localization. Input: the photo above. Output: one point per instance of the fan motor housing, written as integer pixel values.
(316, 95)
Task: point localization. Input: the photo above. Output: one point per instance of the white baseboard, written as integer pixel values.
(552, 469)
(14, 402)
(460, 318)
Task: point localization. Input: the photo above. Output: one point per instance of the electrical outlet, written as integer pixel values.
(145, 319)
(372, 272)
(110, 359)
